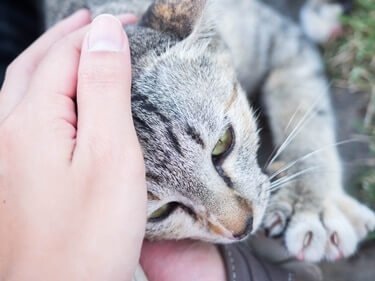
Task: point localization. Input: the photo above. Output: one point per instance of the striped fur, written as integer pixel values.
(195, 65)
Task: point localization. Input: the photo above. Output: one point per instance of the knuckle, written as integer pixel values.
(101, 149)
(11, 69)
(19, 64)
(104, 70)
(98, 77)
(17, 68)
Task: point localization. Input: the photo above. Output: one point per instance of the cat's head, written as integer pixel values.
(320, 19)
(198, 133)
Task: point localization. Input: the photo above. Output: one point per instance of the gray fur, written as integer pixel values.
(187, 90)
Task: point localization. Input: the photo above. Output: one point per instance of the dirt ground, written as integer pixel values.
(350, 109)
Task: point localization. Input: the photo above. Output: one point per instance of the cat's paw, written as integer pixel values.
(360, 216)
(330, 229)
(302, 230)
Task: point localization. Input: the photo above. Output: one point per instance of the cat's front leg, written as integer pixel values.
(316, 217)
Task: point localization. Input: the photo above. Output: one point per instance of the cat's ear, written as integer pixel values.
(192, 21)
(177, 17)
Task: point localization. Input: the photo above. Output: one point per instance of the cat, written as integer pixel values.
(195, 66)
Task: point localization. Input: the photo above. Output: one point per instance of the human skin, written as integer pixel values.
(69, 181)
(184, 260)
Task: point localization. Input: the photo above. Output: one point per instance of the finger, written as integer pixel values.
(57, 72)
(20, 71)
(53, 90)
(127, 19)
(60, 67)
(105, 124)
(106, 143)
(48, 109)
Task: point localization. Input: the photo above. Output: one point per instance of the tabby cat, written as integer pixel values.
(195, 65)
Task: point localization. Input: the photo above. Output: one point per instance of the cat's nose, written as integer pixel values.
(230, 214)
(248, 228)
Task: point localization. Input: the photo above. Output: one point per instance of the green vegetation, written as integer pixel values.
(351, 63)
(351, 59)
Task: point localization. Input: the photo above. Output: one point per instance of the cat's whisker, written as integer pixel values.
(309, 155)
(293, 117)
(287, 178)
(291, 136)
(257, 114)
(297, 129)
(278, 183)
(274, 150)
(277, 186)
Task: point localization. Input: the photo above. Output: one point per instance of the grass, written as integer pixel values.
(351, 64)
(351, 59)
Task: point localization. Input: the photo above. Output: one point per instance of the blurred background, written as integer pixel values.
(350, 62)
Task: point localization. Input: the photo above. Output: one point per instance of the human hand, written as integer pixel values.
(184, 260)
(72, 185)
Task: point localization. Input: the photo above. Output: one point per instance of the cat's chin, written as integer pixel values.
(199, 224)
(208, 229)
(215, 239)
(210, 233)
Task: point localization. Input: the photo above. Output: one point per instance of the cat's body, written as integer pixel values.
(318, 19)
(187, 57)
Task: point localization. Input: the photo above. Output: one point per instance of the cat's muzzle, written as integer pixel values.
(233, 222)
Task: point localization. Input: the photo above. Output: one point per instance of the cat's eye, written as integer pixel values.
(224, 144)
(163, 212)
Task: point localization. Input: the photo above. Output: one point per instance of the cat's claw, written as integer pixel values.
(304, 236)
(331, 233)
(276, 221)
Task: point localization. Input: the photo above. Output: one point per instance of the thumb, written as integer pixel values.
(105, 125)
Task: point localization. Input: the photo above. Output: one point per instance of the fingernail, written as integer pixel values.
(106, 34)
